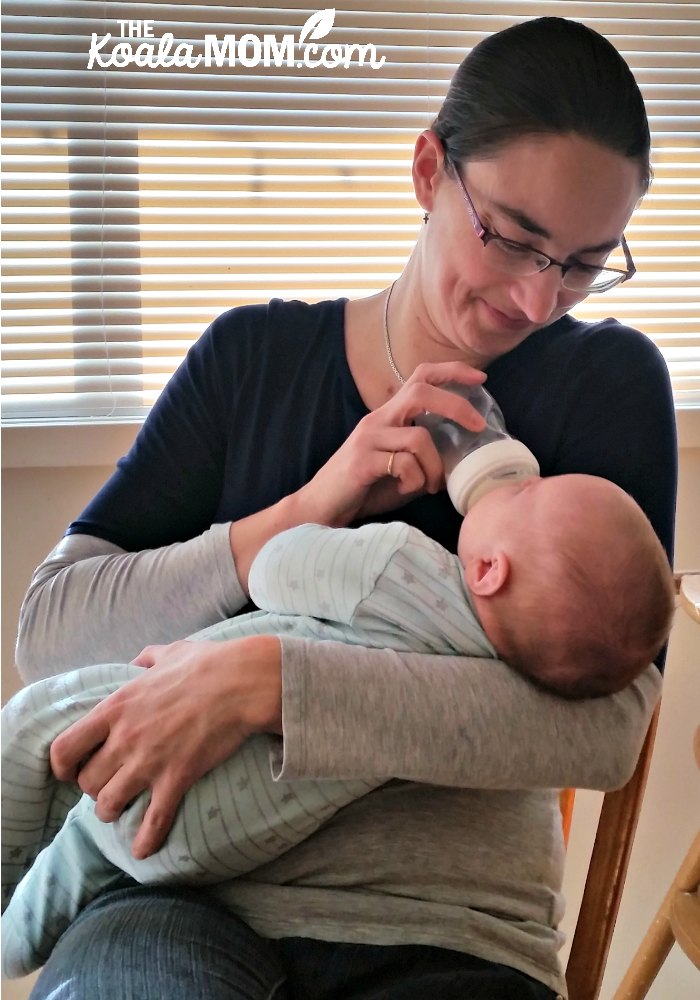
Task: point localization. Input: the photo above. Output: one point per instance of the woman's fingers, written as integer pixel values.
(76, 743)
(112, 798)
(418, 397)
(161, 731)
(416, 464)
(158, 818)
(355, 481)
(410, 475)
(148, 656)
(165, 797)
(441, 372)
(98, 771)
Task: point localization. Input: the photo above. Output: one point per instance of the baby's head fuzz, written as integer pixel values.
(590, 596)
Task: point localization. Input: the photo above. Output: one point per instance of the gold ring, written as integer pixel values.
(390, 464)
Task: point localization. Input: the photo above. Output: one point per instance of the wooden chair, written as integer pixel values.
(678, 917)
(609, 861)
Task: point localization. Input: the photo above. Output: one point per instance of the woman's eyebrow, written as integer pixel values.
(608, 245)
(525, 222)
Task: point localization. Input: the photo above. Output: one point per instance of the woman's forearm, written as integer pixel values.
(91, 602)
(470, 722)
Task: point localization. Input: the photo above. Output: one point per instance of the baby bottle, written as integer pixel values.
(474, 462)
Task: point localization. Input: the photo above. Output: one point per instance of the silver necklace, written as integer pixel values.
(387, 343)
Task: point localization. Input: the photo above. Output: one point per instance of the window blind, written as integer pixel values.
(139, 202)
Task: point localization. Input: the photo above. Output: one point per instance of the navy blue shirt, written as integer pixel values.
(266, 396)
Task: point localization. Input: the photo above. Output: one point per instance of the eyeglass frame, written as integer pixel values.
(485, 235)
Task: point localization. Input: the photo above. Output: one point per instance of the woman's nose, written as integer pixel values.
(537, 295)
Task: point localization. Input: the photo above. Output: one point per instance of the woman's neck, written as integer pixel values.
(366, 352)
(387, 335)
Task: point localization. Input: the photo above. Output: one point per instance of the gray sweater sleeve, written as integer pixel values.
(348, 712)
(448, 720)
(91, 602)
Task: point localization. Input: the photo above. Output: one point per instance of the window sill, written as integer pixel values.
(57, 445)
(26, 446)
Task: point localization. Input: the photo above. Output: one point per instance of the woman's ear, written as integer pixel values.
(428, 157)
(485, 577)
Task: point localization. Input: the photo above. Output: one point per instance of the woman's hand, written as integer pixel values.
(190, 711)
(359, 479)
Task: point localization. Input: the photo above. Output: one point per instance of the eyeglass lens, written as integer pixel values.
(521, 260)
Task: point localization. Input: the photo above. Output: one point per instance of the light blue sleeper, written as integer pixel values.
(381, 585)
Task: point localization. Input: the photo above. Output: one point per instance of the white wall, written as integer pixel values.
(39, 502)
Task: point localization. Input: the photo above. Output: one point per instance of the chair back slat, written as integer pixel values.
(606, 878)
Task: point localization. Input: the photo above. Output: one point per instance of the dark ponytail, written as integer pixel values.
(545, 76)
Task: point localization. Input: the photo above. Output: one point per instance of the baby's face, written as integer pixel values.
(499, 517)
(534, 506)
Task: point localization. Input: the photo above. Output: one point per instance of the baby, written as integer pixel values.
(563, 578)
(569, 582)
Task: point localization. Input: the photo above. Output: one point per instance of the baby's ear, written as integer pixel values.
(486, 576)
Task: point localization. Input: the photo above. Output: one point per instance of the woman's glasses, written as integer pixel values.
(518, 258)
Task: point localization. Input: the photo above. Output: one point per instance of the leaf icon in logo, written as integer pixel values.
(318, 25)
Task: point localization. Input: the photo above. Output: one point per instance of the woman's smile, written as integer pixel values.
(511, 322)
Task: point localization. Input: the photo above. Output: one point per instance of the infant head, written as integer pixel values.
(570, 581)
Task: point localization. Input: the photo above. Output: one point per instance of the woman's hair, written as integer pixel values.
(548, 76)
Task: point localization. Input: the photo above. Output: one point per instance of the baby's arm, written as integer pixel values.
(313, 570)
(386, 586)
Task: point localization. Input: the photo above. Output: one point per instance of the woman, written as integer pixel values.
(444, 880)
